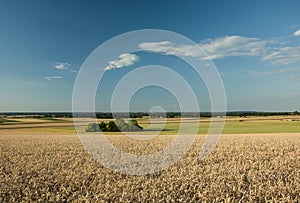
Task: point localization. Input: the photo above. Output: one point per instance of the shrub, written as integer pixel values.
(114, 126)
(103, 126)
(93, 127)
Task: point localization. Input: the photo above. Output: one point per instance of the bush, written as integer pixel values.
(102, 126)
(119, 125)
(112, 127)
(93, 127)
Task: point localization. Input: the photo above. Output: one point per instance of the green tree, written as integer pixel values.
(135, 124)
(103, 126)
(93, 127)
(112, 127)
(121, 124)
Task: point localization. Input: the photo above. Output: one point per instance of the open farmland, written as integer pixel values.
(241, 127)
(150, 101)
(50, 164)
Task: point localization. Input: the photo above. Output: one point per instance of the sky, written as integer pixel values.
(255, 46)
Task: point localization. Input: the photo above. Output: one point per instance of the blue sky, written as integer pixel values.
(254, 44)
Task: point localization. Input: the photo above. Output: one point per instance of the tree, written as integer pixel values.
(134, 123)
(121, 124)
(103, 126)
(114, 126)
(93, 127)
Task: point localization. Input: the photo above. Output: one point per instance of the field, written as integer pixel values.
(255, 160)
(238, 127)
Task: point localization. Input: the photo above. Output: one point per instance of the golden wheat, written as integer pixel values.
(41, 166)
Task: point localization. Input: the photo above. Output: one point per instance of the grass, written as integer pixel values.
(231, 127)
(262, 127)
(238, 127)
(2, 120)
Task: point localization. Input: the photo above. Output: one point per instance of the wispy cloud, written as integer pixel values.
(72, 70)
(274, 72)
(122, 61)
(297, 33)
(53, 77)
(233, 46)
(215, 48)
(62, 66)
(283, 55)
(169, 48)
(272, 51)
(297, 77)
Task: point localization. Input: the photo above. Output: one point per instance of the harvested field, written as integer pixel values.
(48, 165)
(30, 120)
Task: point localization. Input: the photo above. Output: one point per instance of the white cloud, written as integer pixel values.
(297, 33)
(283, 55)
(62, 66)
(294, 77)
(215, 48)
(274, 72)
(233, 46)
(162, 46)
(122, 61)
(52, 77)
(72, 70)
(168, 48)
(272, 50)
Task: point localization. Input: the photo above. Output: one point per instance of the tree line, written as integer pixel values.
(109, 115)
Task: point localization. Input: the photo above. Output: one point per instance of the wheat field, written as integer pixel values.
(52, 166)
